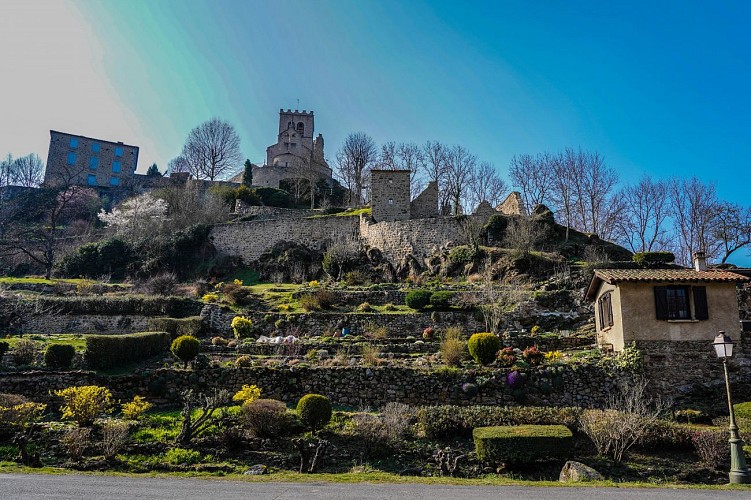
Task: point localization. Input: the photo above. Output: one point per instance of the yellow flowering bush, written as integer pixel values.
(238, 282)
(313, 283)
(242, 327)
(84, 403)
(247, 394)
(210, 297)
(133, 410)
(21, 414)
(553, 356)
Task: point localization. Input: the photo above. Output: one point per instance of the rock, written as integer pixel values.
(256, 470)
(574, 472)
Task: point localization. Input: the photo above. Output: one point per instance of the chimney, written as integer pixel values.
(700, 261)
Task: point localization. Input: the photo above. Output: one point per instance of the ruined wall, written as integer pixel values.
(419, 237)
(250, 239)
(512, 205)
(389, 195)
(426, 203)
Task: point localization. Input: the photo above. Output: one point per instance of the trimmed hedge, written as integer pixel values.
(483, 347)
(449, 421)
(192, 325)
(175, 307)
(314, 411)
(185, 348)
(441, 300)
(522, 444)
(104, 352)
(418, 299)
(59, 355)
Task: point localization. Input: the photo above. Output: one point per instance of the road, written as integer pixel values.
(84, 487)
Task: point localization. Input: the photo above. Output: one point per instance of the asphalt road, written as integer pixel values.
(81, 487)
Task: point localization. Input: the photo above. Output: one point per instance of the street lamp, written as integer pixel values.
(739, 473)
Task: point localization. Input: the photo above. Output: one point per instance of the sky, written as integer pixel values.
(660, 88)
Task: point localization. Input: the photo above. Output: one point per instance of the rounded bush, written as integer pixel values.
(441, 300)
(265, 417)
(59, 355)
(417, 299)
(483, 347)
(185, 348)
(242, 327)
(314, 411)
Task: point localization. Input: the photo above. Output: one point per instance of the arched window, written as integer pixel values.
(290, 125)
(300, 128)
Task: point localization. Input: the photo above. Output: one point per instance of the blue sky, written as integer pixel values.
(656, 87)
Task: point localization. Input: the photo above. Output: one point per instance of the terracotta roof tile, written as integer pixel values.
(620, 275)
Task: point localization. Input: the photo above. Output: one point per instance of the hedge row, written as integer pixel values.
(522, 444)
(450, 420)
(177, 307)
(176, 327)
(104, 352)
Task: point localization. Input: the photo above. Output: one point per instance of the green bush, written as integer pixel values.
(314, 411)
(59, 355)
(91, 260)
(742, 411)
(483, 347)
(462, 254)
(192, 325)
(522, 444)
(242, 327)
(653, 259)
(417, 299)
(179, 456)
(441, 300)
(185, 348)
(105, 352)
(448, 421)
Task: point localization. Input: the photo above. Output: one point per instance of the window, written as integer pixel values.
(391, 201)
(118, 151)
(93, 162)
(605, 308)
(114, 181)
(71, 158)
(94, 147)
(73, 143)
(116, 166)
(91, 180)
(676, 302)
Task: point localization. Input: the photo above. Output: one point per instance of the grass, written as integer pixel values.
(32, 280)
(350, 212)
(76, 340)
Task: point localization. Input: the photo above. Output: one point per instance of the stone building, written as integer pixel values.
(389, 195)
(638, 305)
(296, 153)
(79, 160)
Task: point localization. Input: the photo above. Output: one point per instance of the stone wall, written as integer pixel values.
(250, 239)
(389, 195)
(512, 205)
(85, 323)
(426, 203)
(418, 237)
(268, 213)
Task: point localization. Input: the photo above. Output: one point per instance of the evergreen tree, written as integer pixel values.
(248, 174)
(153, 171)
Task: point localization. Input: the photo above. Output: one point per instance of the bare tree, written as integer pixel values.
(353, 160)
(694, 208)
(642, 225)
(27, 171)
(460, 164)
(486, 185)
(6, 169)
(403, 156)
(596, 210)
(434, 167)
(212, 150)
(177, 165)
(732, 229)
(533, 176)
(523, 234)
(564, 170)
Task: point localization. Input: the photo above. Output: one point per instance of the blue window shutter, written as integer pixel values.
(95, 147)
(71, 158)
(118, 151)
(93, 162)
(91, 180)
(116, 167)
(73, 142)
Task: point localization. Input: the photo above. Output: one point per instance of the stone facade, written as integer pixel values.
(389, 195)
(512, 205)
(78, 160)
(426, 203)
(269, 213)
(418, 237)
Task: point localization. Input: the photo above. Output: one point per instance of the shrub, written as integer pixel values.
(653, 259)
(711, 446)
(417, 299)
(193, 325)
(309, 302)
(75, 442)
(314, 284)
(428, 333)
(536, 330)
(483, 347)
(185, 348)
(370, 355)
(243, 361)
(452, 346)
(354, 278)
(364, 307)
(449, 421)
(134, 410)
(553, 356)
(532, 355)
(114, 436)
(219, 341)
(25, 352)
(314, 411)
(236, 294)
(83, 404)
(264, 418)
(105, 352)
(325, 298)
(247, 394)
(692, 417)
(161, 284)
(389, 307)
(242, 327)
(462, 254)
(17, 411)
(59, 355)
(506, 357)
(742, 411)
(441, 300)
(522, 444)
(181, 456)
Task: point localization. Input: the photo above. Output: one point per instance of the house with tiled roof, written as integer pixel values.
(664, 304)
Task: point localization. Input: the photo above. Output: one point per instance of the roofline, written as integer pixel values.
(389, 170)
(93, 139)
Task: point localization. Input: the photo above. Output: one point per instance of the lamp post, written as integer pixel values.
(739, 473)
